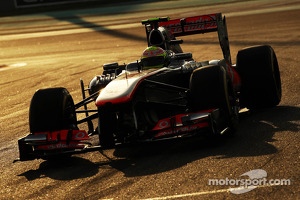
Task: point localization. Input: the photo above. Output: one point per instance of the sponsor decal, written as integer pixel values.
(181, 129)
(63, 145)
(190, 24)
(164, 124)
(80, 136)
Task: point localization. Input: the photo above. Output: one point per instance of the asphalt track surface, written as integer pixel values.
(58, 48)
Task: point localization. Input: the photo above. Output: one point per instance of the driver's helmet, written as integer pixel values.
(154, 57)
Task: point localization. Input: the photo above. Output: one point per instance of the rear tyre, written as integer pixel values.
(210, 87)
(260, 76)
(52, 109)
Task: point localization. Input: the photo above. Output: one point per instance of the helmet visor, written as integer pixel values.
(156, 61)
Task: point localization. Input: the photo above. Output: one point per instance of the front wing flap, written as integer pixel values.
(188, 124)
(38, 145)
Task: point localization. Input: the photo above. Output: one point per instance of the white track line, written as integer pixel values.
(188, 195)
(194, 194)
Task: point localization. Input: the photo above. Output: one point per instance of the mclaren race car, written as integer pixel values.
(165, 94)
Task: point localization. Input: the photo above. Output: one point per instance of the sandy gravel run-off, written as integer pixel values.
(34, 55)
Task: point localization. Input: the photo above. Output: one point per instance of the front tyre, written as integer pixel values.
(210, 87)
(52, 109)
(260, 77)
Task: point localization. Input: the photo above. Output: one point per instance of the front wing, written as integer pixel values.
(54, 143)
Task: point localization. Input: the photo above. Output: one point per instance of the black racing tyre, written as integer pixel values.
(260, 77)
(106, 128)
(52, 109)
(210, 87)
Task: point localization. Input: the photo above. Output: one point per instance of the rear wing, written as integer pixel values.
(196, 25)
(192, 25)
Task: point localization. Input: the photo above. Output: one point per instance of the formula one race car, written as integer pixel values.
(166, 94)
